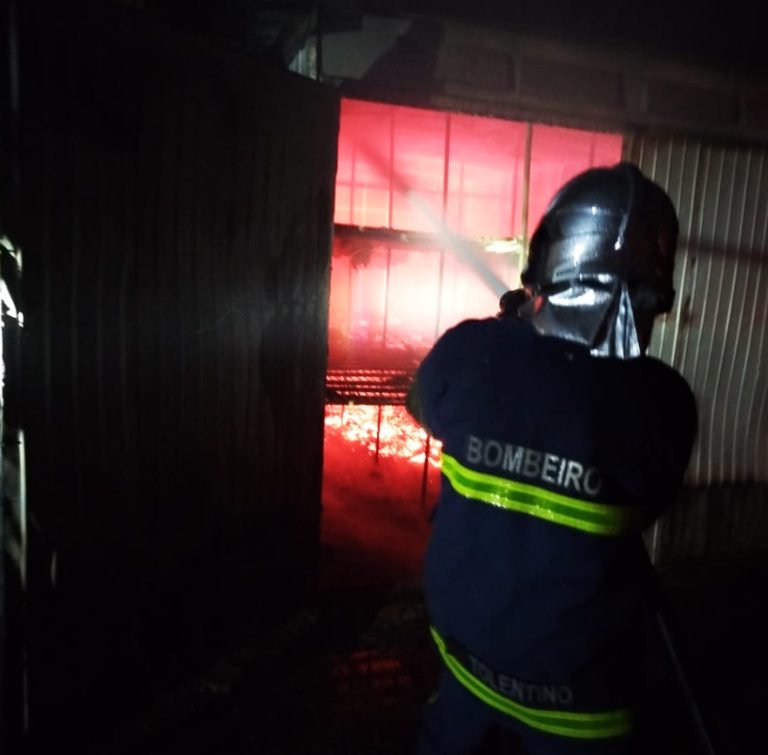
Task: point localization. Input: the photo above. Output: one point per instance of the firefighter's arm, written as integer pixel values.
(434, 376)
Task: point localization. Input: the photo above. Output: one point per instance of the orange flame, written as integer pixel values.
(398, 434)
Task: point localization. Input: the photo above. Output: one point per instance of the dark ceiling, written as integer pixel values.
(729, 36)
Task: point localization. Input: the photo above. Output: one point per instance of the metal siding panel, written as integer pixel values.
(755, 441)
(715, 335)
(683, 193)
(177, 230)
(728, 399)
(712, 351)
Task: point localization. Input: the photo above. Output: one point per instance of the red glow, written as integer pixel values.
(376, 506)
(469, 170)
(387, 431)
(392, 296)
(557, 155)
(401, 299)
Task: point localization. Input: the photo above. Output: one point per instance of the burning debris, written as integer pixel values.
(387, 431)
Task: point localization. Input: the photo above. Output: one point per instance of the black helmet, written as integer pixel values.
(611, 221)
(601, 261)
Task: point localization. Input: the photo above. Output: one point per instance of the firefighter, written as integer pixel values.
(562, 442)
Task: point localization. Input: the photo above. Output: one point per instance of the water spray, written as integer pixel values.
(465, 250)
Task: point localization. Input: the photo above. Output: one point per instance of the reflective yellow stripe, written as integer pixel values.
(614, 723)
(597, 518)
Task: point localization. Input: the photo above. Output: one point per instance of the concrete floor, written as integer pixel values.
(349, 673)
(348, 670)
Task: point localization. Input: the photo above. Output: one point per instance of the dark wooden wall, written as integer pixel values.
(176, 229)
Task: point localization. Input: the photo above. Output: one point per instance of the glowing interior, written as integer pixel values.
(407, 180)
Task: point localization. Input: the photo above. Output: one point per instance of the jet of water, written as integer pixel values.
(463, 249)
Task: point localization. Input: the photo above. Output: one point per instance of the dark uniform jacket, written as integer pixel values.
(554, 462)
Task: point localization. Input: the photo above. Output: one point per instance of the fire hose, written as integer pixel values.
(669, 636)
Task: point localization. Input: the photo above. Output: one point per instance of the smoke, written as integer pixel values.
(465, 250)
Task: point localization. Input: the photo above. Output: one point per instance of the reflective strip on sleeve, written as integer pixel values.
(614, 723)
(596, 518)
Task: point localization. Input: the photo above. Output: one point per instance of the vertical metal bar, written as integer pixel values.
(318, 42)
(350, 281)
(657, 525)
(711, 477)
(628, 147)
(388, 274)
(440, 276)
(739, 467)
(696, 462)
(690, 349)
(446, 175)
(526, 186)
(653, 553)
(687, 288)
(378, 430)
(425, 473)
(24, 567)
(4, 619)
(737, 273)
(650, 167)
(391, 210)
(512, 209)
(759, 447)
(446, 166)
(390, 220)
(758, 469)
(387, 280)
(13, 511)
(513, 203)
(510, 266)
(352, 177)
(9, 112)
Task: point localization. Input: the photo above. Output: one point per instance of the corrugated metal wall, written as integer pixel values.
(716, 336)
(177, 232)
